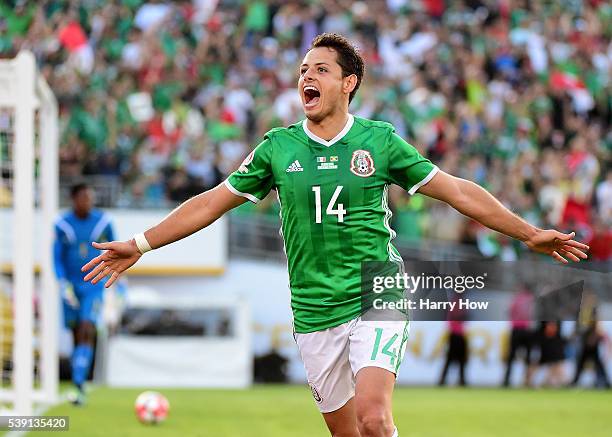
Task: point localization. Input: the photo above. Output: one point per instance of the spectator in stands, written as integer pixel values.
(604, 199)
(600, 242)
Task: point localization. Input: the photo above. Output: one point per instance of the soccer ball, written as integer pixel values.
(151, 407)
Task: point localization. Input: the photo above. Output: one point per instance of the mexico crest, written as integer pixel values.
(362, 163)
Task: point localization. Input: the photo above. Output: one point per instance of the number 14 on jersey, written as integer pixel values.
(332, 209)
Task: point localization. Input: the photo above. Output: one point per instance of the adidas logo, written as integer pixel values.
(295, 166)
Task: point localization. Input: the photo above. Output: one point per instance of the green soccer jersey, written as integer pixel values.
(334, 208)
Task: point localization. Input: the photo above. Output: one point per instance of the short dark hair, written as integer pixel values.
(348, 57)
(77, 188)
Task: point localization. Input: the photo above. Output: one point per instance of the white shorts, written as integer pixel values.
(333, 357)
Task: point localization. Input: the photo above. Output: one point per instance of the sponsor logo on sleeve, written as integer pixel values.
(243, 167)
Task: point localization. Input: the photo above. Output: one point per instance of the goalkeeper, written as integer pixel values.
(82, 301)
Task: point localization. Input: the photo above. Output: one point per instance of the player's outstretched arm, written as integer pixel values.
(474, 201)
(191, 216)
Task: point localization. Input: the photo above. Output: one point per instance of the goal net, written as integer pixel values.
(29, 303)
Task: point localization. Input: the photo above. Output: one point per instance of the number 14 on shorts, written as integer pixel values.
(386, 348)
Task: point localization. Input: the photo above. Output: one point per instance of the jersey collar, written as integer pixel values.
(341, 134)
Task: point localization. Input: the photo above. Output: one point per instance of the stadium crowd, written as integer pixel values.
(168, 97)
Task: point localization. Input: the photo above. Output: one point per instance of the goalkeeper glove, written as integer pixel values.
(67, 293)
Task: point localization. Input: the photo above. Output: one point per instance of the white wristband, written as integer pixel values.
(142, 243)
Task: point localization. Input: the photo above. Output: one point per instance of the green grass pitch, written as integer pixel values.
(282, 411)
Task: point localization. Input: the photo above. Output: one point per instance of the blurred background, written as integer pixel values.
(159, 101)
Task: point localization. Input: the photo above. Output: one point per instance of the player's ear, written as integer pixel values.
(349, 83)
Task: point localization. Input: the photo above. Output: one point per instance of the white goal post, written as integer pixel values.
(30, 176)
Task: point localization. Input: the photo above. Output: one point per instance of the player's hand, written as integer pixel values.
(118, 256)
(558, 245)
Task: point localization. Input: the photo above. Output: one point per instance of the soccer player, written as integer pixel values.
(82, 301)
(331, 173)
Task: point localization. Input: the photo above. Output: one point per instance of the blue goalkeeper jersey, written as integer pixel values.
(72, 248)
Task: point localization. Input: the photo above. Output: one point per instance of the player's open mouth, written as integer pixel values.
(311, 96)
